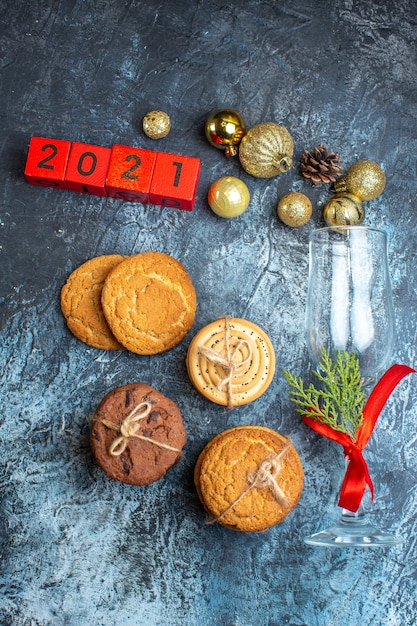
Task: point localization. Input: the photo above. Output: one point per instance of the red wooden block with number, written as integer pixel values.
(174, 181)
(129, 174)
(87, 168)
(47, 161)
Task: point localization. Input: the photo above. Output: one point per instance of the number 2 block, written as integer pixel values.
(130, 173)
(174, 181)
(87, 169)
(47, 161)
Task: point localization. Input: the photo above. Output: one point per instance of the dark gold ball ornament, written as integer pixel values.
(365, 179)
(294, 209)
(344, 209)
(224, 130)
(266, 150)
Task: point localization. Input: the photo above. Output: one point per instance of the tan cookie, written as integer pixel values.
(149, 302)
(249, 478)
(137, 434)
(231, 361)
(81, 302)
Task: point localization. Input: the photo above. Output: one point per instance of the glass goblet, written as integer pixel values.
(349, 308)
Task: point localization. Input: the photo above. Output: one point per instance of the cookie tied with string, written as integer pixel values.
(231, 361)
(249, 478)
(137, 434)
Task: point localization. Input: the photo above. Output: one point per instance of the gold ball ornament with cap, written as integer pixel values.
(344, 209)
(364, 179)
(156, 124)
(294, 209)
(224, 129)
(266, 150)
(228, 197)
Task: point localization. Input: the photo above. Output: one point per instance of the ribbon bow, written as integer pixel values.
(357, 475)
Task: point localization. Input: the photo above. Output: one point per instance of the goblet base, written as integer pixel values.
(353, 530)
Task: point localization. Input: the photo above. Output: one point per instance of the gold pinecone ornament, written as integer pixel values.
(320, 166)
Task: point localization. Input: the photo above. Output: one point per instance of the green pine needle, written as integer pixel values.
(340, 399)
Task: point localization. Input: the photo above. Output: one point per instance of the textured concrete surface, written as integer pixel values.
(76, 548)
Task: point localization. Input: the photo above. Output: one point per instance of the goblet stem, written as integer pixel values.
(353, 530)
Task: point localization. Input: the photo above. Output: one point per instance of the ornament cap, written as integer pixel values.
(230, 151)
(340, 185)
(284, 164)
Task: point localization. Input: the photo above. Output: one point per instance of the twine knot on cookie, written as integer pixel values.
(227, 362)
(264, 477)
(129, 427)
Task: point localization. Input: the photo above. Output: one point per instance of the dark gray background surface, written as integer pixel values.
(76, 547)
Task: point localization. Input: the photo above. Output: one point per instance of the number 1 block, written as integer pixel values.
(130, 173)
(87, 168)
(174, 181)
(47, 162)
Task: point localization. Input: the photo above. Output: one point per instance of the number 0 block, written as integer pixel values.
(130, 173)
(87, 168)
(174, 181)
(47, 161)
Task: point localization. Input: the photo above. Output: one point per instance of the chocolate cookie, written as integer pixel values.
(249, 478)
(137, 434)
(81, 302)
(149, 302)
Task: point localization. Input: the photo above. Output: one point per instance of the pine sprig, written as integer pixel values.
(340, 399)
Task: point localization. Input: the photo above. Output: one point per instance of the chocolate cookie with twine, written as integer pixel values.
(231, 361)
(137, 434)
(249, 478)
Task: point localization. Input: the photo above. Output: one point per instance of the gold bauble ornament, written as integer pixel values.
(266, 150)
(344, 209)
(228, 197)
(224, 130)
(156, 124)
(365, 179)
(294, 209)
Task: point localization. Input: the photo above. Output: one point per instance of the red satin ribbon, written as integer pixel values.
(357, 475)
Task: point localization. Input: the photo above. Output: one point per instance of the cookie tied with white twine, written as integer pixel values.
(137, 434)
(231, 361)
(249, 478)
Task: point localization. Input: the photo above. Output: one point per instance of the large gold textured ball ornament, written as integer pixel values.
(228, 196)
(266, 150)
(344, 209)
(365, 179)
(156, 124)
(224, 130)
(294, 209)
